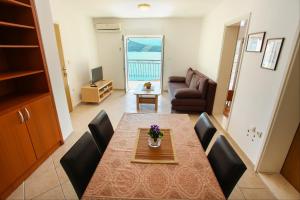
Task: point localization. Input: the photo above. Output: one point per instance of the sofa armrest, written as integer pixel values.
(210, 96)
(185, 93)
(177, 79)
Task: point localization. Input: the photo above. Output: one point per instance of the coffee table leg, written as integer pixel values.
(137, 102)
(156, 101)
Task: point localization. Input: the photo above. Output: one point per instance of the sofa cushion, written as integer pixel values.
(185, 93)
(177, 79)
(194, 82)
(189, 76)
(173, 86)
(188, 102)
(203, 84)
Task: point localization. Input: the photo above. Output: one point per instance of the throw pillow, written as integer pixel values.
(203, 84)
(194, 82)
(189, 76)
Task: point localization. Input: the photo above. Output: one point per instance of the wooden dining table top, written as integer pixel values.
(116, 177)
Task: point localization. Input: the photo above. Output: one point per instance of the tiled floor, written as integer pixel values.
(49, 181)
(132, 85)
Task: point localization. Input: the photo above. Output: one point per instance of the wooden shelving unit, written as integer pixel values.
(15, 3)
(10, 75)
(19, 46)
(21, 67)
(28, 118)
(8, 24)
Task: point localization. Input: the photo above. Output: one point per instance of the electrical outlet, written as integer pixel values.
(253, 129)
(259, 134)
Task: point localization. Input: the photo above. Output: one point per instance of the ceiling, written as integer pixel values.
(159, 8)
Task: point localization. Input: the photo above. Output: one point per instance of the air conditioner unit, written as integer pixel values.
(108, 28)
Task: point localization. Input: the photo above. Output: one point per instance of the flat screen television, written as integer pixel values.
(97, 74)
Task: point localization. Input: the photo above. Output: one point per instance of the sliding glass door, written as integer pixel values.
(143, 61)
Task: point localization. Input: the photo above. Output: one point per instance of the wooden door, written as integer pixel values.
(16, 150)
(291, 166)
(42, 125)
(63, 66)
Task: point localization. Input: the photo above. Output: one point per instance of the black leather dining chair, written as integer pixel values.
(81, 161)
(101, 129)
(226, 164)
(204, 129)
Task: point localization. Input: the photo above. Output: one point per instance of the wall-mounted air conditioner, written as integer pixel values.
(108, 28)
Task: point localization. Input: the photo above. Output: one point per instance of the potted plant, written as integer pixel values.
(155, 136)
(148, 85)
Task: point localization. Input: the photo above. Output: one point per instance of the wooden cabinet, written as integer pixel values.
(26, 135)
(42, 125)
(16, 150)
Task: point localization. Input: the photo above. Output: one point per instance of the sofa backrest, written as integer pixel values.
(210, 93)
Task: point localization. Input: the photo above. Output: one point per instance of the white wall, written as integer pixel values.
(258, 89)
(49, 42)
(181, 45)
(285, 122)
(79, 44)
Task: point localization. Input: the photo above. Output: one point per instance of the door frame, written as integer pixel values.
(220, 103)
(63, 67)
(124, 38)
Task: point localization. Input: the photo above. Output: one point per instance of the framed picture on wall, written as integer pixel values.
(272, 53)
(255, 42)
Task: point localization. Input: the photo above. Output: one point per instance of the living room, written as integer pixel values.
(207, 40)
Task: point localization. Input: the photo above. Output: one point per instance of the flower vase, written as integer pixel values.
(154, 143)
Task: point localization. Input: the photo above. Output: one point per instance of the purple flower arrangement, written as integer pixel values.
(155, 132)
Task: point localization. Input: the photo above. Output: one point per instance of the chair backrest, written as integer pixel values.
(205, 130)
(101, 129)
(226, 164)
(81, 161)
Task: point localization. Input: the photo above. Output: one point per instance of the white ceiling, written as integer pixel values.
(159, 8)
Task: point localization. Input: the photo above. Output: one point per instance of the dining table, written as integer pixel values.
(117, 177)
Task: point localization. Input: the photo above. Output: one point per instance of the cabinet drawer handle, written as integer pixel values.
(27, 113)
(21, 117)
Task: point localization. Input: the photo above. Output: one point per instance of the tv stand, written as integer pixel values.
(97, 92)
(93, 85)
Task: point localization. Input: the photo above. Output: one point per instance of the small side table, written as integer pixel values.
(145, 96)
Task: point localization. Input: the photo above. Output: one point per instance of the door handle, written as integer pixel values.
(21, 117)
(27, 114)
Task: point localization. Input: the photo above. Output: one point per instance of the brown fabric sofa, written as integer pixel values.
(193, 93)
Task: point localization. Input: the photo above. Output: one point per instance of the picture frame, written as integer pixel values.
(272, 53)
(255, 42)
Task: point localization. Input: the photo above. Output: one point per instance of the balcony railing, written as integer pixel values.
(144, 70)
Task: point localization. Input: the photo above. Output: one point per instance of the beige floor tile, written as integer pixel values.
(236, 194)
(55, 193)
(250, 180)
(45, 166)
(257, 194)
(41, 181)
(69, 191)
(18, 194)
(62, 176)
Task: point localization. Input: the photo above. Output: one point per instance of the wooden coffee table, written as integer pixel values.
(145, 96)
